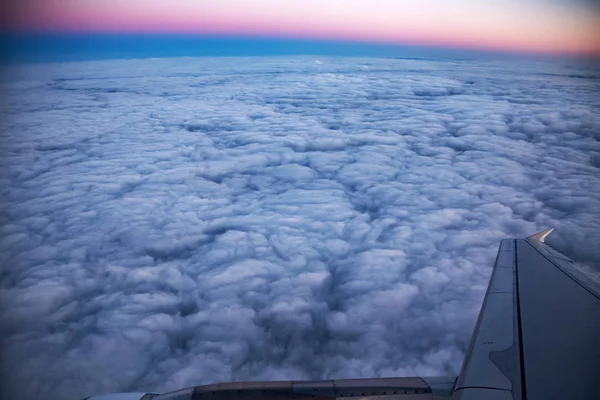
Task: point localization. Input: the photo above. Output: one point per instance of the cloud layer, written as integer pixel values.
(167, 223)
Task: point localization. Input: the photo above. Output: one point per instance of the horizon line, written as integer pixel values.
(450, 45)
(15, 42)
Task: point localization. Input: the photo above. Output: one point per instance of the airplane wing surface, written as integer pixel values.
(537, 337)
(538, 332)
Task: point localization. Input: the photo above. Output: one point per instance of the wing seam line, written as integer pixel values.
(520, 331)
(482, 387)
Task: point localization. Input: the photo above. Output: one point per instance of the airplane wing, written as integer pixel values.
(538, 332)
(537, 337)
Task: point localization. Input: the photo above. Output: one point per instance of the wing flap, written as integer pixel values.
(405, 388)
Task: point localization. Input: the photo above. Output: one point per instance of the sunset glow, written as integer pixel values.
(555, 26)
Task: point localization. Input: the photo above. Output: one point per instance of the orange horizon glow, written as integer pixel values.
(519, 26)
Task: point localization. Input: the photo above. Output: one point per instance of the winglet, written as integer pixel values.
(540, 236)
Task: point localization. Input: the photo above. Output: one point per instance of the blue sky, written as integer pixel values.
(564, 27)
(68, 47)
(93, 29)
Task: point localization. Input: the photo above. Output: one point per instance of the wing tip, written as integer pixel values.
(541, 236)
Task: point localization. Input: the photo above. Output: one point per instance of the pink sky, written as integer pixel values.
(557, 26)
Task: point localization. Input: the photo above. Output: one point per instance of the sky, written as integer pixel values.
(174, 222)
(546, 26)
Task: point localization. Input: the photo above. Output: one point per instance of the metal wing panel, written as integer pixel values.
(537, 336)
(560, 326)
(587, 277)
(492, 363)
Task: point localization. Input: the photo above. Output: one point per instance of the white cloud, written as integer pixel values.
(166, 223)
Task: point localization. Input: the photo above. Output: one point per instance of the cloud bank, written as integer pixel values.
(168, 223)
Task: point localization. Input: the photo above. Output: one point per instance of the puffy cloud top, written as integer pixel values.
(167, 223)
